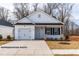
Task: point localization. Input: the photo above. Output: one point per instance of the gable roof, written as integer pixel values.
(39, 18)
(24, 21)
(5, 23)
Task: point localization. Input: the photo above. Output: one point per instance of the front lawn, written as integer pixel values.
(58, 45)
(3, 42)
(73, 43)
(66, 54)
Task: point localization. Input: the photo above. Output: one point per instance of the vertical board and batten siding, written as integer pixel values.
(17, 27)
(39, 32)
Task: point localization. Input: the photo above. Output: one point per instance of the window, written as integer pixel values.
(56, 31)
(48, 31)
(52, 31)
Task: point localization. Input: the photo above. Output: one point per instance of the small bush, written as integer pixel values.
(55, 39)
(61, 38)
(1, 37)
(66, 37)
(9, 37)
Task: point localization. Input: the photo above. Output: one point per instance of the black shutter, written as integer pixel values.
(45, 30)
(59, 31)
(51, 31)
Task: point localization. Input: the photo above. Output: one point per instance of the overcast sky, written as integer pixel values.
(75, 11)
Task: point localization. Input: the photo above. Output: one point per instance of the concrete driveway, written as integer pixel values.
(36, 47)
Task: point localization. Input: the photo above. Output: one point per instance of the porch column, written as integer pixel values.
(60, 30)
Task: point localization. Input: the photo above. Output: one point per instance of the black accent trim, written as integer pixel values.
(48, 23)
(58, 29)
(39, 24)
(51, 31)
(24, 24)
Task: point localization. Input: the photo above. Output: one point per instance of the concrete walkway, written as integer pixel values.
(38, 47)
(65, 51)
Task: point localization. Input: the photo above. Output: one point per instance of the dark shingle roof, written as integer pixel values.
(5, 23)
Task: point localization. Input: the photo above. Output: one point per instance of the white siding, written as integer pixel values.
(17, 27)
(5, 31)
(55, 36)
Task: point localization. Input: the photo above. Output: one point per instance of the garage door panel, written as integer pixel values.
(25, 33)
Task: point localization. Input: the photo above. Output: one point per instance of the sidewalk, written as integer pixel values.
(65, 51)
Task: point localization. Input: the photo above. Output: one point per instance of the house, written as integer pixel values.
(38, 25)
(12, 21)
(6, 28)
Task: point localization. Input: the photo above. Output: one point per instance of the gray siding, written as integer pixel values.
(39, 32)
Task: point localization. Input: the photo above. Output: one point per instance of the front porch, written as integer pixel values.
(53, 32)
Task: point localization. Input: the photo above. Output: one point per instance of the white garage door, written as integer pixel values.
(24, 33)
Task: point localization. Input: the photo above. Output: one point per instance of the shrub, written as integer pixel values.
(55, 39)
(1, 37)
(66, 37)
(9, 37)
(61, 38)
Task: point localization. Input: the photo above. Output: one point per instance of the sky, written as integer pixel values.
(75, 13)
(75, 10)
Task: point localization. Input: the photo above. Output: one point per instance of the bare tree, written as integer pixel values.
(62, 12)
(21, 10)
(64, 15)
(4, 13)
(35, 5)
(51, 8)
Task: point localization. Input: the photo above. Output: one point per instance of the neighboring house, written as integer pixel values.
(38, 25)
(12, 21)
(6, 28)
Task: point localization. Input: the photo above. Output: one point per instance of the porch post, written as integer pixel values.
(60, 31)
(44, 33)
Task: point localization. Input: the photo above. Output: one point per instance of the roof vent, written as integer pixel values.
(39, 15)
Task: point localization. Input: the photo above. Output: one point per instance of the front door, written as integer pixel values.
(39, 32)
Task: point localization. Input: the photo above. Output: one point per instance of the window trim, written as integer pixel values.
(52, 31)
(58, 30)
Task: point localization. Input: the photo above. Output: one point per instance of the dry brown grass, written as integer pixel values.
(57, 45)
(4, 42)
(74, 38)
(66, 54)
(74, 43)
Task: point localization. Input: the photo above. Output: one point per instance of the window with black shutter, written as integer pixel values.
(48, 31)
(56, 31)
(52, 31)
